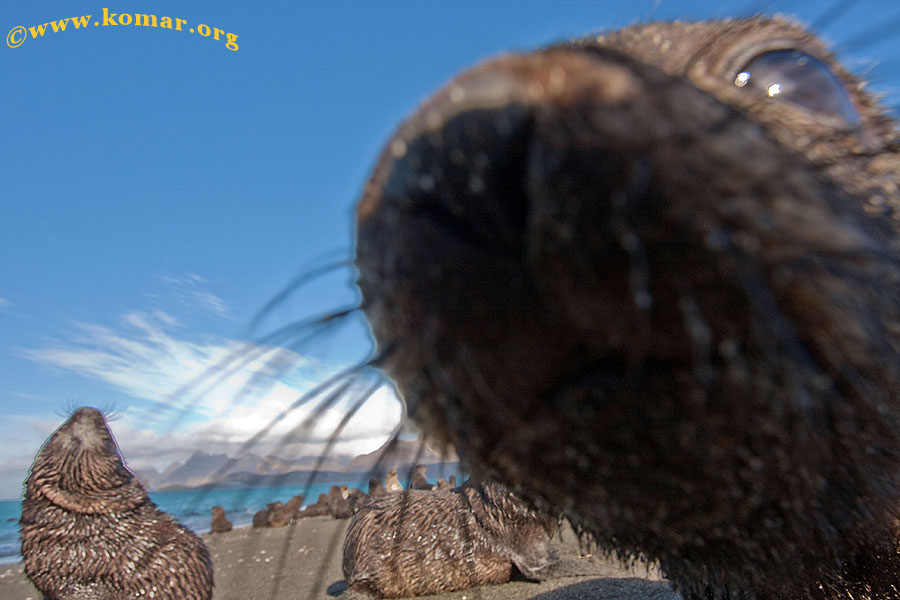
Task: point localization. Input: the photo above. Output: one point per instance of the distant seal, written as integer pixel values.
(392, 482)
(376, 488)
(419, 481)
(442, 484)
(338, 505)
(650, 279)
(320, 508)
(90, 531)
(281, 516)
(219, 523)
(261, 518)
(356, 497)
(420, 542)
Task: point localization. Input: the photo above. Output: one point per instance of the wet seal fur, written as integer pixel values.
(659, 302)
(420, 542)
(89, 531)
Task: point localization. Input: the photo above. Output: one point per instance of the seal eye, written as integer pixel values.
(798, 78)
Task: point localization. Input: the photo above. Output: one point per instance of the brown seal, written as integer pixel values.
(442, 484)
(219, 523)
(320, 508)
(651, 279)
(376, 488)
(339, 505)
(392, 482)
(281, 516)
(419, 481)
(420, 542)
(261, 517)
(90, 531)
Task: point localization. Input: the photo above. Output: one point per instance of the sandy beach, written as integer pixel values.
(303, 561)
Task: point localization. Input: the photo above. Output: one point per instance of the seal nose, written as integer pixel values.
(462, 158)
(501, 166)
(87, 425)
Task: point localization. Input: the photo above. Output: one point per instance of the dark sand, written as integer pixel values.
(304, 562)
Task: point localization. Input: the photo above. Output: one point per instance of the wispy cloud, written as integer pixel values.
(189, 291)
(5, 304)
(148, 356)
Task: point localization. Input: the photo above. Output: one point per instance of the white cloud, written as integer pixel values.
(147, 356)
(212, 303)
(187, 291)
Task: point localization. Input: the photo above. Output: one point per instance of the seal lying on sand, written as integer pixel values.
(422, 542)
(90, 531)
(651, 279)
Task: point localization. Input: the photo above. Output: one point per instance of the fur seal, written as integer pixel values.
(261, 518)
(442, 484)
(320, 508)
(90, 531)
(280, 516)
(219, 523)
(419, 481)
(392, 482)
(339, 507)
(650, 280)
(376, 488)
(420, 542)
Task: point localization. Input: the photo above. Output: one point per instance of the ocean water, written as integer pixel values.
(191, 507)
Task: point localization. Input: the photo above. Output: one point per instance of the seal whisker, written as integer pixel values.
(342, 380)
(305, 276)
(282, 358)
(247, 353)
(318, 585)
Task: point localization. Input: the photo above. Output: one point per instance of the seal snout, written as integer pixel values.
(87, 425)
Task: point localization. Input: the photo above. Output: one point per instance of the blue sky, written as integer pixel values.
(159, 189)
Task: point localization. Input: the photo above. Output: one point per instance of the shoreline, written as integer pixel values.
(303, 561)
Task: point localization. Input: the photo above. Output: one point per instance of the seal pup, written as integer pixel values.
(392, 482)
(421, 542)
(650, 280)
(442, 484)
(219, 523)
(419, 481)
(90, 531)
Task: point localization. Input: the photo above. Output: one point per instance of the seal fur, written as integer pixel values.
(420, 542)
(89, 530)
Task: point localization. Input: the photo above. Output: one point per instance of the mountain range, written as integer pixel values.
(202, 469)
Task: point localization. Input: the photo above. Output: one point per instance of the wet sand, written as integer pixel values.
(303, 561)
